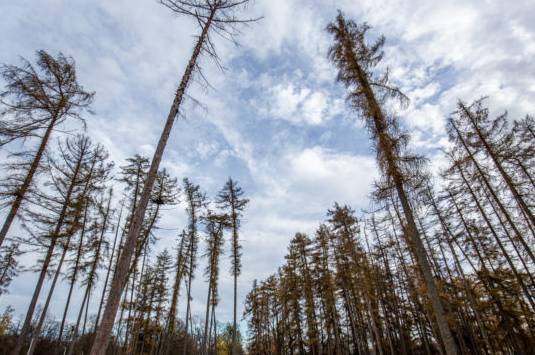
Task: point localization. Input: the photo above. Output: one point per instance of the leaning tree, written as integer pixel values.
(369, 93)
(35, 101)
(213, 16)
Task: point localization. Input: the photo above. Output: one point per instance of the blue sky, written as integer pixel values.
(275, 120)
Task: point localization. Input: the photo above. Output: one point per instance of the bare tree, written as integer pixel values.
(216, 15)
(215, 225)
(54, 218)
(36, 99)
(9, 266)
(196, 203)
(230, 198)
(179, 274)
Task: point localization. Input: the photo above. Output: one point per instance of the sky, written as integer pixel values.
(275, 118)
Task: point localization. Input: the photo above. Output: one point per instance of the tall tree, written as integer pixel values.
(215, 225)
(95, 246)
(231, 200)
(196, 203)
(54, 218)
(36, 99)
(210, 14)
(180, 268)
(356, 61)
(95, 173)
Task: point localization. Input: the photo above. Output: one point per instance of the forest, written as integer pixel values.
(440, 263)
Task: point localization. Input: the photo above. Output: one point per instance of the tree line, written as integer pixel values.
(61, 192)
(437, 266)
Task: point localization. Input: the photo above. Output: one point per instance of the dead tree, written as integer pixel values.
(215, 225)
(62, 213)
(356, 61)
(37, 99)
(230, 198)
(212, 15)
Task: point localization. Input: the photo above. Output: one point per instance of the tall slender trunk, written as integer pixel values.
(467, 288)
(130, 305)
(510, 238)
(21, 191)
(91, 278)
(119, 278)
(494, 196)
(188, 305)
(235, 256)
(171, 319)
(86, 312)
(44, 311)
(508, 180)
(73, 278)
(46, 262)
(136, 325)
(214, 323)
(497, 239)
(42, 316)
(385, 144)
(416, 307)
(108, 271)
(204, 350)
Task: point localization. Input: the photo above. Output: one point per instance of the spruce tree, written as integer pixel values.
(211, 15)
(368, 92)
(35, 101)
(231, 200)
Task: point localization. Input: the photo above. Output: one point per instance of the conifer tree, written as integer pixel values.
(9, 266)
(196, 203)
(231, 200)
(212, 15)
(95, 172)
(356, 61)
(180, 267)
(96, 246)
(215, 225)
(63, 210)
(35, 101)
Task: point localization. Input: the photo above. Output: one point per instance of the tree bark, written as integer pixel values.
(21, 192)
(119, 279)
(73, 280)
(508, 180)
(384, 143)
(104, 287)
(92, 276)
(31, 308)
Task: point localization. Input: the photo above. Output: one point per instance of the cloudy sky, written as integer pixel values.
(275, 119)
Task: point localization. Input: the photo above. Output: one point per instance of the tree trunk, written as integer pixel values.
(119, 278)
(235, 256)
(494, 196)
(498, 241)
(508, 180)
(92, 276)
(188, 305)
(44, 268)
(171, 319)
(104, 287)
(385, 144)
(21, 192)
(205, 335)
(73, 280)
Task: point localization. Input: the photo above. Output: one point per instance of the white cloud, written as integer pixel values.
(299, 105)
